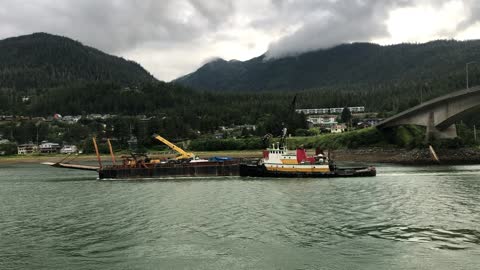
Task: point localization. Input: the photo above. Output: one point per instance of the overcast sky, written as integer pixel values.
(171, 38)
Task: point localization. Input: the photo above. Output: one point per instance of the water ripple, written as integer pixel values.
(455, 239)
(404, 213)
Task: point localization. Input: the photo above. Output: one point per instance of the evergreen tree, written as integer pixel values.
(346, 116)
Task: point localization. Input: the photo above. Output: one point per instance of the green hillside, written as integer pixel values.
(42, 60)
(43, 75)
(349, 64)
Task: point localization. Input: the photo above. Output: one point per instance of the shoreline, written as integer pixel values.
(401, 156)
(361, 155)
(107, 158)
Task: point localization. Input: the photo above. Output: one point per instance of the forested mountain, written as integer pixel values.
(349, 64)
(41, 75)
(42, 60)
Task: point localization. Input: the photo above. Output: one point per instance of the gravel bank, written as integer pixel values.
(407, 156)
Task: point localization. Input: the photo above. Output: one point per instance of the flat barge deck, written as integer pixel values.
(226, 168)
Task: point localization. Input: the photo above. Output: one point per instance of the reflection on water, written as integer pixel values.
(405, 218)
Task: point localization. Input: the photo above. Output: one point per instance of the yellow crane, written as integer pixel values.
(183, 153)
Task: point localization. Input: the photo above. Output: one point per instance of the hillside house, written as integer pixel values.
(69, 149)
(48, 147)
(28, 148)
(338, 128)
(70, 119)
(322, 120)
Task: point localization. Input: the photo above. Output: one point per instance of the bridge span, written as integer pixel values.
(439, 115)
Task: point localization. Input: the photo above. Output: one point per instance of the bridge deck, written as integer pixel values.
(429, 104)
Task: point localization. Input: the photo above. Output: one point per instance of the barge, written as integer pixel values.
(171, 169)
(140, 166)
(276, 162)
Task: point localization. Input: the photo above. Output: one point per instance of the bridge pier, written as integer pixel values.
(434, 133)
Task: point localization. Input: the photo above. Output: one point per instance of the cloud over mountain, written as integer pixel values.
(156, 33)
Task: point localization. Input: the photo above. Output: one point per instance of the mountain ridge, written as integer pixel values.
(45, 60)
(364, 63)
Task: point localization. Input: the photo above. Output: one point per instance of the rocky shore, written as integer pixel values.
(409, 156)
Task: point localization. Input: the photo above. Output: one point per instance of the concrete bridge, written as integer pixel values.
(439, 115)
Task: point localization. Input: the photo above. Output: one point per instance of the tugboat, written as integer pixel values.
(277, 161)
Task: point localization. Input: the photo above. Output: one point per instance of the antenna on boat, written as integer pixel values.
(283, 140)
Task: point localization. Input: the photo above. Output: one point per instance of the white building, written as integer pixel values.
(48, 147)
(336, 110)
(338, 128)
(313, 111)
(69, 119)
(29, 148)
(69, 149)
(319, 120)
(358, 109)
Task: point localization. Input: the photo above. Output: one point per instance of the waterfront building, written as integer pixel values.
(28, 148)
(69, 149)
(48, 147)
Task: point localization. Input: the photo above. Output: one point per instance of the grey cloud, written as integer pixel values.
(214, 11)
(343, 21)
(118, 25)
(472, 16)
(129, 26)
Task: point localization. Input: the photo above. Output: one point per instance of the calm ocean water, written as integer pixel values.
(405, 218)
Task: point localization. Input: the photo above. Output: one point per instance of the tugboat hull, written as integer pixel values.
(261, 171)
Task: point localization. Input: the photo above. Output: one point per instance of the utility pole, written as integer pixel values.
(37, 125)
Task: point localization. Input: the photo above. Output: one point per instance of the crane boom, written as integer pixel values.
(183, 153)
